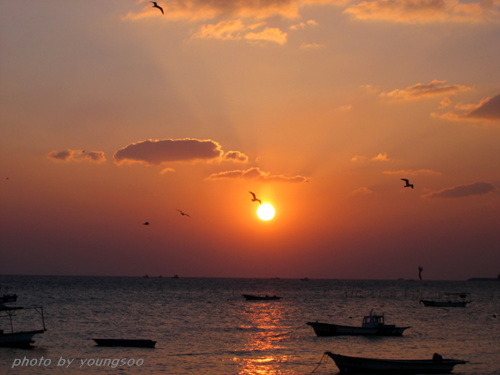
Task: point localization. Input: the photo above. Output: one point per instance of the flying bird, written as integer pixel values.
(407, 183)
(183, 213)
(254, 199)
(146, 223)
(155, 5)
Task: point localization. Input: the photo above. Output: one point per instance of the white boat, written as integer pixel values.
(372, 325)
(12, 338)
(449, 300)
(361, 365)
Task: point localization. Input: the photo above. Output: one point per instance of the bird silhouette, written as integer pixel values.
(155, 5)
(254, 199)
(407, 183)
(183, 213)
(146, 223)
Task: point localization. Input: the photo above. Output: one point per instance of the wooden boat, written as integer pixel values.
(361, 365)
(449, 300)
(372, 325)
(14, 338)
(139, 343)
(251, 297)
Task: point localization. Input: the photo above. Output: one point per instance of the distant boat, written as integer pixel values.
(139, 343)
(361, 365)
(251, 297)
(373, 325)
(449, 300)
(13, 338)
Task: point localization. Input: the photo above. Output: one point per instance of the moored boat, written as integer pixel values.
(372, 325)
(449, 300)
(14, 338)
(251, 297)
(6, 298)
(139, 343)
(362, 365)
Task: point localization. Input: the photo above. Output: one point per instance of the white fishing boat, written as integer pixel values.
(372, 325)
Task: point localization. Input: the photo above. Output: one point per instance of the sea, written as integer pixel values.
(205, 325)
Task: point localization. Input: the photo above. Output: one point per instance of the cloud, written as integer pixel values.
(487, 109)
(412, 172)
(345, 108)
(196, 10)
(77, 155)
(477, 188)
(236, 156)
(226, 30)
(426, 11)
(379, 157)
(236, 30)
(362, 191)
(303, 25)
(269, 34)
(256, 174)
(156, 152)
(311, 46)
(419, 90)
(167, 170)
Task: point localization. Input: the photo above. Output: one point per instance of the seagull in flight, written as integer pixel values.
(254, 199)
(155, 5)
(183, 213)
(407, 183)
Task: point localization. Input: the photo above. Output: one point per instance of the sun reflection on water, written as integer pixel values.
(263, 322)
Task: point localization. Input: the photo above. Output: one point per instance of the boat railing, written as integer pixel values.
(10, 311)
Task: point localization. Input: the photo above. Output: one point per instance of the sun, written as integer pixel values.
(265, 212)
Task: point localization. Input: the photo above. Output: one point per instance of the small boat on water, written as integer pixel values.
(251, 297)
(6, 298)
(449, 300)
(12, 338)
(138, 343)
(372, 325)
(361, 365)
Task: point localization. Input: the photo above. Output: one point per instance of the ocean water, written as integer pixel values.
(205, 326)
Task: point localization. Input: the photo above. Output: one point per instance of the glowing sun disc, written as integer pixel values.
(265, 212)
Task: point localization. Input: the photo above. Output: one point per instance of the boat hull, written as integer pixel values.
(444, 303)
(21, 339)
(138, 343)
(8, 298)
(250, 297)
(327, 329)
(360, 365)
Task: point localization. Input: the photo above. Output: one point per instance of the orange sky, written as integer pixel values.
(112, 114)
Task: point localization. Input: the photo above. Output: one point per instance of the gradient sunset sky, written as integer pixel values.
(113, 115)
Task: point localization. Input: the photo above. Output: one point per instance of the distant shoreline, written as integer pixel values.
(255, 278)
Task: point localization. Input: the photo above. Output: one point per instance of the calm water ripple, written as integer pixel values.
(205, 326)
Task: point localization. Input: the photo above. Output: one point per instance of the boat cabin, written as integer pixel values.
(373, 320)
